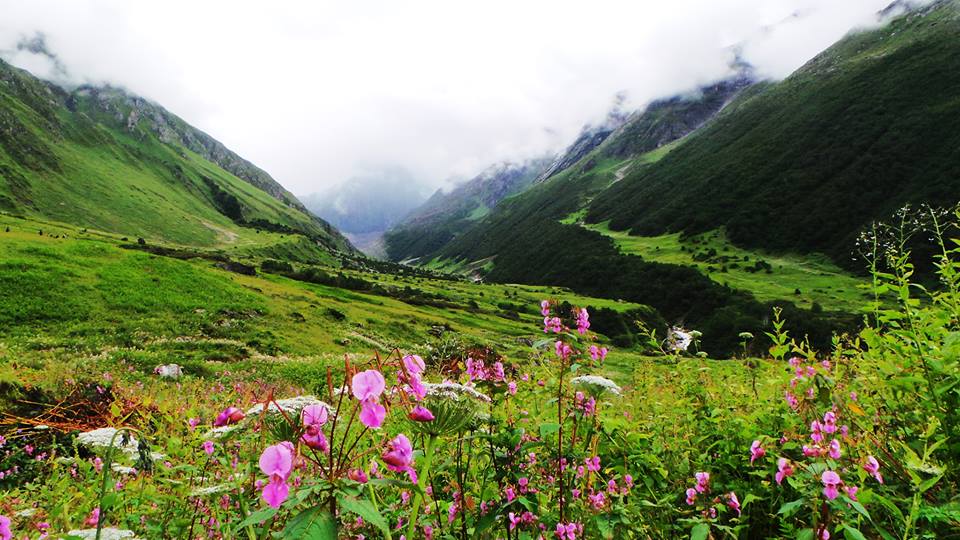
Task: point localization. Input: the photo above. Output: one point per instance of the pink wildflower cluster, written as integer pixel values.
(701, 487)
(313, 417)
(277, 462)
(478, 371)
(230, 415)
(568, 531)
(367, 386)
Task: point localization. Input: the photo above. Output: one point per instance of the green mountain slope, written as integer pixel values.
(803, 165)
(105, 159)
(445, 215)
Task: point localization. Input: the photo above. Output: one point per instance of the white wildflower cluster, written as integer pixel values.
(597, 384)
(107, 533)
(289, 405)
(101, 438)
(454, 391)
(168, 371)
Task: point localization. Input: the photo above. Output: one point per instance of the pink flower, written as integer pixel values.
(372, 413)
(851, 492)
(835, 449)
(829, 422)
(691, 496)
(703, 482)
(192, 423)
(230, 415)
(593, 464)
(314, 415)
(414, 364)
(824, 534)
(545, 308)
(733, 502)
(208, 447)
(98, 464)
(756, 451)
(509, 493)
(792, 400)
(313, 418)
(562, 350)
(276, 462)
(568, 531)
(421, 414)
(512, 388)
(93, 518)
(5, 533)
(597, 500)
(831, 483)
(872, 466)
(815, 431)
(368, 384)
(583, 321)
(598, 353)
(784, 470)
(357, 475)
(415, 387)
(399, 454)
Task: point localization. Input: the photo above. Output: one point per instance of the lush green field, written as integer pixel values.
(804, 280)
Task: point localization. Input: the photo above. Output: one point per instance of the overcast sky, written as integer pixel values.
(316, 92)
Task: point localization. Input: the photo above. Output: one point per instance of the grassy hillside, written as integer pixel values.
(445, 215)
(104, 159)
(68, 288)
(803, 165)
(807, 280)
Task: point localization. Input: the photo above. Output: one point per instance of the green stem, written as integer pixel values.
(421, 483)
(373, 499)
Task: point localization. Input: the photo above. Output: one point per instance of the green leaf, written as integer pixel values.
(258, 517)
(547, 429)
(367, 511)
(858, 507)
(789, 508)
(700, 531)
(805, 534)
(929, 483)
(851, 533)
(312, 524)
(889, 505)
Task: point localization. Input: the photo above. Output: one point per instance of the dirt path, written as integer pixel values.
(225, 236)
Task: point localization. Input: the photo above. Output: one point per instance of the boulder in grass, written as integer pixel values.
(107, 533)
(169, 371)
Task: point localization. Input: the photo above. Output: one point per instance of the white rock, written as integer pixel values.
(107, 533)
(169, 371)
(26, 512)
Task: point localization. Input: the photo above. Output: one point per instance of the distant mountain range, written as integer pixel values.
(104, 158)
(798, 166)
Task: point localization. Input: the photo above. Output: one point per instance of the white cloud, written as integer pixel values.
(314, 92)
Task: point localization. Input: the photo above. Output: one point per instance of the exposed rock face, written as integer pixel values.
(667, 120)
(590, 137)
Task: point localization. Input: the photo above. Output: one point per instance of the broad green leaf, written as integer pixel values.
(258, 517)
(548, 429)
(851, 533)
(700, 531)
(312, 524)
(366, 510)
(789, 508)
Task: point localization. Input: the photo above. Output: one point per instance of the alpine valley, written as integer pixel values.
(733, 312)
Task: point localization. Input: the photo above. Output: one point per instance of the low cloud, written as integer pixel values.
(314, 92)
